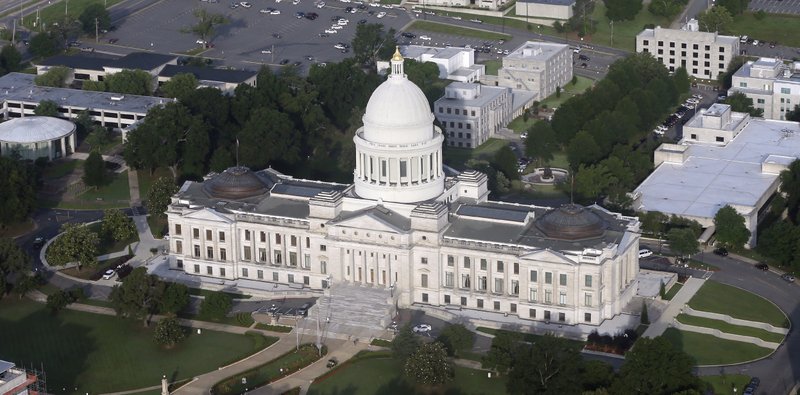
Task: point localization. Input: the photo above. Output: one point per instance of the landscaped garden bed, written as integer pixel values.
(274, 328)
(279, 367)
(96, 272)
(618, 344)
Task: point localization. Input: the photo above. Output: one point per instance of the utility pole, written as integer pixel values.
(14, 33)
(66, 7)
(612, 32)
(96, 30)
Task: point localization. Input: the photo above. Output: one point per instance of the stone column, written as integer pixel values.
(63, 146)
(73, 139)
(50, 149)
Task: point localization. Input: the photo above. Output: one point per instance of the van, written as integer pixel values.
(303, 310)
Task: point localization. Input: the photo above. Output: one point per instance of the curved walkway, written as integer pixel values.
(675, 307)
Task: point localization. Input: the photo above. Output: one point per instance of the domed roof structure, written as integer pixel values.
(571, 222)
(398, 112)
(33, 129)
(235, 183)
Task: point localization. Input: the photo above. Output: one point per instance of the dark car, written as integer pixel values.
(788, 277)
(331, 363)
(284, 61)
(721, 252)
(583, 57)
(363, 21)
(38, 242)
(277, 35)
(112, 40)
(584, 65)
(762, 266)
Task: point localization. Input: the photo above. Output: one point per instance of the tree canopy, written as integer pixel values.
(216, 305)
(206, 24)
(134, 82)
(139, 295)
(715, 19)
(43, 45)
(622, 10)
(180, 85)
(18, 182)
(741, 103)
(76, 244)
(160, 195)
(666, 8)
(456, 339)
(93, 18)
(683, 241)
(428, 365)
(168, 332)
(550, 365)
(55, 77)
(730, 228)
(10, 59)
(371, 42)
(404, 343)
(541, 142)
(13, 260)
(117, 225)
(655, 366)
(94, 170)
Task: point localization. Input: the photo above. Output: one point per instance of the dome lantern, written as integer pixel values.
(397, 64)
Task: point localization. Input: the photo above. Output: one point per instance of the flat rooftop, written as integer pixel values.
(536, 50)
(713, 176)
(20, 87)
(550, 2)
(488, 93)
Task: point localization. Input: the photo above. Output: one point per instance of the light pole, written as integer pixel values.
(612, 32)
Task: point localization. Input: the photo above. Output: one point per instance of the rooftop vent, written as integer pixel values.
(117, 98)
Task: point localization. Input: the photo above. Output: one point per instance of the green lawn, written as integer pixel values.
(710, 350)
(109, 245)
(497, 22)
(528, 337)
(785, 29)
(91, 353)
(492, 66)
(244, 320)
(116, 194)
(61, 168)
(725, 299)
(457, 157)
(673, 291)
(624, 32)
(158, 225)
(146, 179)
(435, 27)
(384, 376)
(205, 292)
(275, 328)
(55, 12)
(567, 92)
(730, 328)
(282, 366)
(725, 384)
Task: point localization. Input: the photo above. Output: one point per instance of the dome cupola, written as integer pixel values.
(571, 222)
(235, 183)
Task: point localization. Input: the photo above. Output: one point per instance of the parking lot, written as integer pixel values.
(239, 43)
(791, 7)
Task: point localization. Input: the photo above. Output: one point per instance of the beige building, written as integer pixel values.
(407, 234)
(774, 86)
(472, 113)
(704, 55)
(550, 9)
(538, 67)
(485, 4)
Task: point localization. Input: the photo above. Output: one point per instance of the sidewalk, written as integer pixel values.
(675, 307)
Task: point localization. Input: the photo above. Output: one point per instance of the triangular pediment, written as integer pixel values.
(208, 214)
(547, 255)
(368, 222)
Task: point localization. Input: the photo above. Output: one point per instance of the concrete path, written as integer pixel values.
(677, 303)
(133, 186)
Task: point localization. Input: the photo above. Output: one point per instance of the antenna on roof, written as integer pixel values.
(237, 152)
(571, 187)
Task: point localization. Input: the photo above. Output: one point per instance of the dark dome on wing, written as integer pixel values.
(235, 183)
(571, 222)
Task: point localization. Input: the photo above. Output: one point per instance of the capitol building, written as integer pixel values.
(406, 231)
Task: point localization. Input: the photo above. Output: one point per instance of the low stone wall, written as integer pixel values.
(735, 321)
(723, 335)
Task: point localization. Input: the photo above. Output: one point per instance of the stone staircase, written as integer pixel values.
(354, 309)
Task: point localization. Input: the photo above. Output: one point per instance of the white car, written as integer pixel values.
(421, 328)
(345, 1)
(523, 135)
(660, 130)
(275, 12)
(108, 274)
(374, 4)
(264, 11)
(296, 2)
(336, 27)
(166, 236)
(644, 253)
(321, 4)
(425, 38)
(266, 51)
(245, 4)
(339, 46)
(387, 6)
(343, 22)
(381, 14)
(458, 18)
(331, 31)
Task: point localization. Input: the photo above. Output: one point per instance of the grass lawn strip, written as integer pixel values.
(383, 375)
(436, 27)
(711, 350)
(673, 291)
(730, 328)
(274, 328)
(457, 157)
(492, 66)
(528, 337)
(61, 168)
(89, 351)
(279, 367)
(113, 195)
(206, 292)
(55, 11)
(244, 320)
(725, 383)
(381, 342)
(785, 29)
(715, 297)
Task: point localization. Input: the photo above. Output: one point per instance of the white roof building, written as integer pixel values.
(455, 63)
(406, 235)
(725, 158)
(33, 137)
(774, 86)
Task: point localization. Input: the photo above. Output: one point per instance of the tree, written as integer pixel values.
(574, 80)
(17, 190)
(500, 355)
(583, 150)
(779, 242)
(725, 79)
(731, 230)
(76, 244)
(96, 86)
(734, 7)
(134, 82)
(98, 137)
(716, 19)
(794, 115)
(180, 85)
(456, 339)
(550, 365)
(644, 319)
(176, 297)
(666, 8)
(46, 108)
(24, 284)
(160, 195)
(404, 343)
(206, 24)
(592, 181)
(429, 365)
(681, 80)
(267, 137)
(44, 45)
(94, 170)
(216, 305)
(13, 260)
(622, 10)
(369, 42)
(506, 161)
(117, 225)
(790, 186)
(168, 332)
(683, 241)
(596, 375)
(55, 77)
(654, 222)
(94, 17)
(138, 296)
(655, 366)
(541, 142)
(58, 300)
(741, 103)
(10, 59)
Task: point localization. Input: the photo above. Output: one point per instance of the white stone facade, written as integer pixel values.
(704, 55)
(538, 67)
(457, 250)
(472, 113)
(551, 9)
(773, 85)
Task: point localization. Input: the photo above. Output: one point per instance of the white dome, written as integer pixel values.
(398, 113)
(34, 129)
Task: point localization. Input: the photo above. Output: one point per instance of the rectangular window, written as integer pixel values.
(483, 264)
(693, 136)
(498, 285)
(178, 247)
(307, 261)
(180, 263)
(482, 283)
(465, 283)
(403, 168)
(209, 270)
(720, 139)
(262, 254)
(383, 168)
(306, 280)
(209, 252)
(246, 253)
(195, 233)
(290, 278)
(587, 280)
(275, 276)
(786, 91)
(534, 276)
(548, 278)
(293, 241)
(760, 101)
(562, 317)
(516, 267)
(424, 261)
(548, 296)
(424, 280)
(547, 315)
(222, 255)
(532, 313)
(247, 235)
(450, 260)
(177, 229)
(533, 295)
(587, 299)
(562, 298)
(308, 242)
(447, 299)
(466, 263)
(196, 251)
(513, 307)
(448, 279)
(480, 303)
(221, 237)
(743, 85)
(222, 271)
(278, 258)
(514, 287)
(263, 237)
(323, 267)
(278, 239)
(500, 267)
(497, 305)
(208, 235)
(562, 279)
(587, 317)
(292, 259)
(463, 300)
(424, 297)
(260, 274)
(197, 268)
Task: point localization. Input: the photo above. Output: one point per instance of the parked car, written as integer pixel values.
(421, 328)
(330, 31)
(284, 62)
(108, 274)
(331, 363)
(275, 12)
(38, 242)
(425, 38)
(721, 251)
(762, 267)
(246, 4)
(408, 35)
(788, 277)
(644, 253)
(321, 4)
(381, 14)
(583, 57)
(476, 20)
